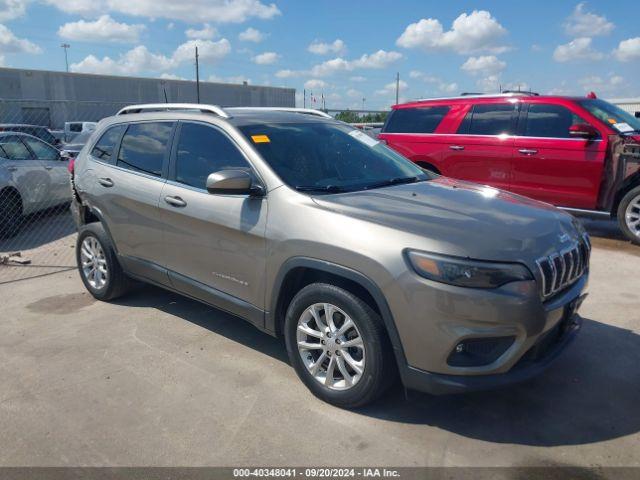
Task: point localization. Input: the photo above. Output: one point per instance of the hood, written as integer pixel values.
(463, 219)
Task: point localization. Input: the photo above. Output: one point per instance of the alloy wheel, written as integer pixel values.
(632, 216)
(94, 262)
(331, 346)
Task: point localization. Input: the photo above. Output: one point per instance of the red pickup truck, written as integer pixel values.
(578, 153)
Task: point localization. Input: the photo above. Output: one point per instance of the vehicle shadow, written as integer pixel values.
(589, 394)
(40, 228)
(603, 229)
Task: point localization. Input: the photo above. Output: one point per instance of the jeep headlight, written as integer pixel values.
(466, 273)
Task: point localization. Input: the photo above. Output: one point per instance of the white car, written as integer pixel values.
(33, 177)
(72, 129)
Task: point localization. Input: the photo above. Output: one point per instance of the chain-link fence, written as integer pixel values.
(37, 233)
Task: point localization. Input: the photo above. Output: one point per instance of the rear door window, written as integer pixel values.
(144, 147)
(550, 121)
(104, 148)
(489, 119)
(203, 150)
(416, 120)
(14, 149)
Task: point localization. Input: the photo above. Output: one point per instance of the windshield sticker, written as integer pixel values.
(364, 138)
(260, 139)
(612, 121)
(623, 127)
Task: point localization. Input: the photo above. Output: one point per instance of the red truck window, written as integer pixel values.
(490, 119)
(551, 121)
(416, 120)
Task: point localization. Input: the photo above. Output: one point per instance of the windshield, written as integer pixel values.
(620, 120)
(81, 138)
(330, 157)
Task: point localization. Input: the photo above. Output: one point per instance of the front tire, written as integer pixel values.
(98, 264)
(629, 215)
(338, 346)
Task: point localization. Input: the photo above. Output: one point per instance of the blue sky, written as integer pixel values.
(346, 50)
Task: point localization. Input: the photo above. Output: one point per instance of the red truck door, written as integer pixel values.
(482, 148)
(550, 166)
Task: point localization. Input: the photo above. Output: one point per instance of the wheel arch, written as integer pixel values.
(12, 190)
(298, 272)
(630, 183)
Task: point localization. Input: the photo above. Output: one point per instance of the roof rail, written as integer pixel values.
(165, 107)
(307, 111)
(476, 95)
(522, 92)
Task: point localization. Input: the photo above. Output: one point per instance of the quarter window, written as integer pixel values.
(103, 149)
(416, 120)
(144, 146)
(545, 120)
(203, 150)
(491, 119)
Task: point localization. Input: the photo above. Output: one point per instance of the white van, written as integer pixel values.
(71, 129)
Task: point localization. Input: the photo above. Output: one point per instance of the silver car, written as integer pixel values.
(368, 266)
(33, 177)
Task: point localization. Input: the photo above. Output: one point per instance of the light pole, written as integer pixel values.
(66, 58)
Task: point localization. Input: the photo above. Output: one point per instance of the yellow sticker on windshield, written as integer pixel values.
(260, 139)
(612, 121)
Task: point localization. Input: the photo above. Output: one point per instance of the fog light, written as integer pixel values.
(476, 352)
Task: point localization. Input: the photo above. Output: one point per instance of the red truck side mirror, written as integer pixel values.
(582, 130)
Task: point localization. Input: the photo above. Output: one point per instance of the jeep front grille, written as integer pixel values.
(562, 269)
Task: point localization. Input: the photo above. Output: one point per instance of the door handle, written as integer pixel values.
(12, 168)
(48, 168)
(105, 182)
(528, 151)
(456, 147)
(175, 201)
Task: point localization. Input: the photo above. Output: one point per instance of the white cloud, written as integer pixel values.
(628, 50)
(611, 85)
(288, 73)
(390, 88)
(577, 49)
(231, 79)
(104, 29)
(315, 83)
(489, 84)
(266, 58)
(357, 78)
(483, 65)
(470, 33)
(10, 9)
(207, 32)
(353, 93)
(377, 60)
(2, 64)
(440, 85)
(320, 48)
(171, 26)
(9, 43)
(140, 59)
(586, 24)
(252, 35)
(192, 11)
(171, 76)
(448, 87)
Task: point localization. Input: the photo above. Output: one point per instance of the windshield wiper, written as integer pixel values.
(392, 181)
(320, 188)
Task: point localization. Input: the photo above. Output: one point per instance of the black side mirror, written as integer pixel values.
(637, 114)
(65, 155)
(233, 182)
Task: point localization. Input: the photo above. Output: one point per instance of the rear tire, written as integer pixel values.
(629, 215)
(10, 214)
(361, 371)
(98, 264)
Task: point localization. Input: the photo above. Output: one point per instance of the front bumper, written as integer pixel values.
(534, 362)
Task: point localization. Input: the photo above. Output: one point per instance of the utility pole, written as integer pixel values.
(197, 77)
(304, 98)
(66, 58)
(363, 99)
(397, 88)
